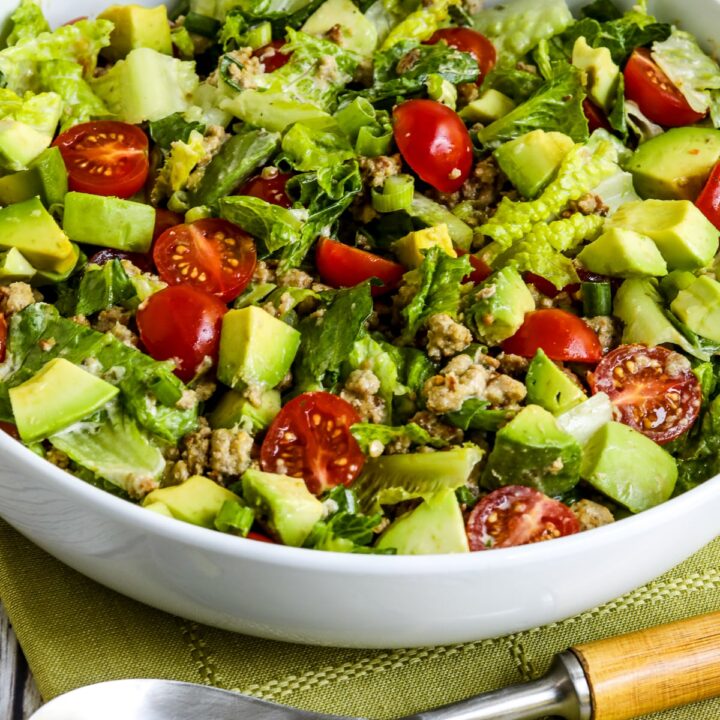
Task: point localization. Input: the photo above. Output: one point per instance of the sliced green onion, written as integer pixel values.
(226, 62)
(597, 298)
(235, 518)
(183, 42)
(202, 24)
(371, 145)
(355, 116)
(259, 35)
(197, 213)
(396, 194)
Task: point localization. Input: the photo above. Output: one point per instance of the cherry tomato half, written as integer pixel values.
(259, 537)
(340, 265)
(271, 57)
(653, 390)
(560, 334)
(270, 189)
(311, 439)
(469, 41)
(10, 430)
(709, 199)
(480, 269)
(653, 91)
(212, 254)
(518, 515)
(164, 220)
(181, 323)
(139, 260)
(105, 158)
(3, 337)
(434, 142)
(541, 284)
(595, 117)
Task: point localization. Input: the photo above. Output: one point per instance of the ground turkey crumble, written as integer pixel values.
(591, 514)
(16, 297)
(376, 170)
(115, 320)
(446, 337)
(361, 391)
(608, 331)
(482, 188)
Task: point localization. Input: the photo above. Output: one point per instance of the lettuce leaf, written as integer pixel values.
(28, 22)
(476, 415)
(699, 458)
(182, 159)
(173, 128)
(518, 85)
(420, 24)
(311, 146)
(103, 286)
(368, 433)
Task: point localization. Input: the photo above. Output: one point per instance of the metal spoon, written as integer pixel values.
(615, 679)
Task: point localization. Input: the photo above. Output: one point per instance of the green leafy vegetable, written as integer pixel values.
(174, 175)
(102, 287)
(173, 128)
(311, 146)
(420, 24)
(368, 433)
(235, 518)
(28, 22)
(699, 459)
(475, 415)
(519, 85)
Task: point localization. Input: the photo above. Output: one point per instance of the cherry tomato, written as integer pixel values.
(181, 323)
(653, 91)
(3, 337)
(560, 334)
(709, 200)
(10, 430)
(164, 220)
(271, 57)
(595, 117)
(270, 189)
(212, 254)
(469, 41)
(252, 535)
(541, 284)
(480, 269)
(311, 439)
(105, 158)
(653, 390)
(340, 265)
(139, 260)
(518, 515)
(434, 142)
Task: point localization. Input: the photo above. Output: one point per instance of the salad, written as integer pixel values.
(369, 276)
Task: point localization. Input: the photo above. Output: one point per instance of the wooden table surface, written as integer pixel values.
(19, 697)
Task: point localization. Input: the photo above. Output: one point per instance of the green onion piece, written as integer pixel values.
(226, 62)
(202, 24)
(259, 35)
(371, 145)
(182, 41)
(597, 298)
(197, 213)
(166, 392)
(396, 194)
(354, 116)
(234, 518)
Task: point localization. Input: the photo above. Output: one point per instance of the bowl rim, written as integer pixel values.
(348, 563)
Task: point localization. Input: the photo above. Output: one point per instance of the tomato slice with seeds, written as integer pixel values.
(270, 189)
(518, 515)
(311, 439)
(105, 158)
(653, 390)
(271, 57)
(212, 254)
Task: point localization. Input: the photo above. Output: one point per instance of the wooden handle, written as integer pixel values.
(653, 670)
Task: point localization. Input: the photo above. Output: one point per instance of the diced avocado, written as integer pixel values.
(14, 266)
(623, 253)
(197, 501)
(30, 228)
(584, 420)
(430, 213)
(684, 236)
(676, 164)
(358, 34)
(256, 349)
(676, 281)
(501, 302)
(285, 503)
(109, 221)
(235, 410)
(57, 396)
(46, 177)
(533, 450)
(698, 306)
(550, 388)
(532, 160)
(489, 107)
(603, 75)
(48, 277)
(147, 85)
(410, 250)
(434, 527)
(137, 27)
(629, 467)
(159, 508)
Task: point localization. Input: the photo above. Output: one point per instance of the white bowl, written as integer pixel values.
(336, 599)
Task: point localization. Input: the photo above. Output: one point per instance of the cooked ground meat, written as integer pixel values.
(513, 364)
(588, 204)
(467, 92)
(327, 69)
(187, 401)
(230, 452)
(608, 331)
(248, 68)
(335, 35)
(361, 391)
(446, 337)
(376, 170)
(407, 62)
(196, 449)
(482, 188)
(264, 273)
(436, 428)
(591, 514)
(562, 300)
(58, 458)
(115, 320)
(295, 278)
(504, 391)
(16, 297)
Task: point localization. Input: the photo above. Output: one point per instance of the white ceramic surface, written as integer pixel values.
(336, 599)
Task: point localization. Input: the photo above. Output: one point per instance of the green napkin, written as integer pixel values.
(75, 632)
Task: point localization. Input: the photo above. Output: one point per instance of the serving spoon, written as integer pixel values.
(615, 679)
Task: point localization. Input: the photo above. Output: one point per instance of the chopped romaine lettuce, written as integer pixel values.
(102, 287)
(173, 128)
(183, 158)
(420, 24)
(476, 415)
(314, 145)
(28, 22)
(368, 434)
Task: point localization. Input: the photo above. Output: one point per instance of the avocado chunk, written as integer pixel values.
(430, 213)
(284, 503)
(532, 160)
(603, 75)
(676, 164)
(57, 396)
(109, 221)
(30, 228)
(489, 107)
(501, 302)
(137, 27)
(623, 253)
(550, 388)
(159, 508)
(235, 410)
(14, 267)
(256, 349)
(698, 306)
(584, 420)
(410, 250)
(357, 32)
(196, 501)
(46, 177)
(676, 281)
(434, 527)
(683, 235)
(629, 467)
(533, 450)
